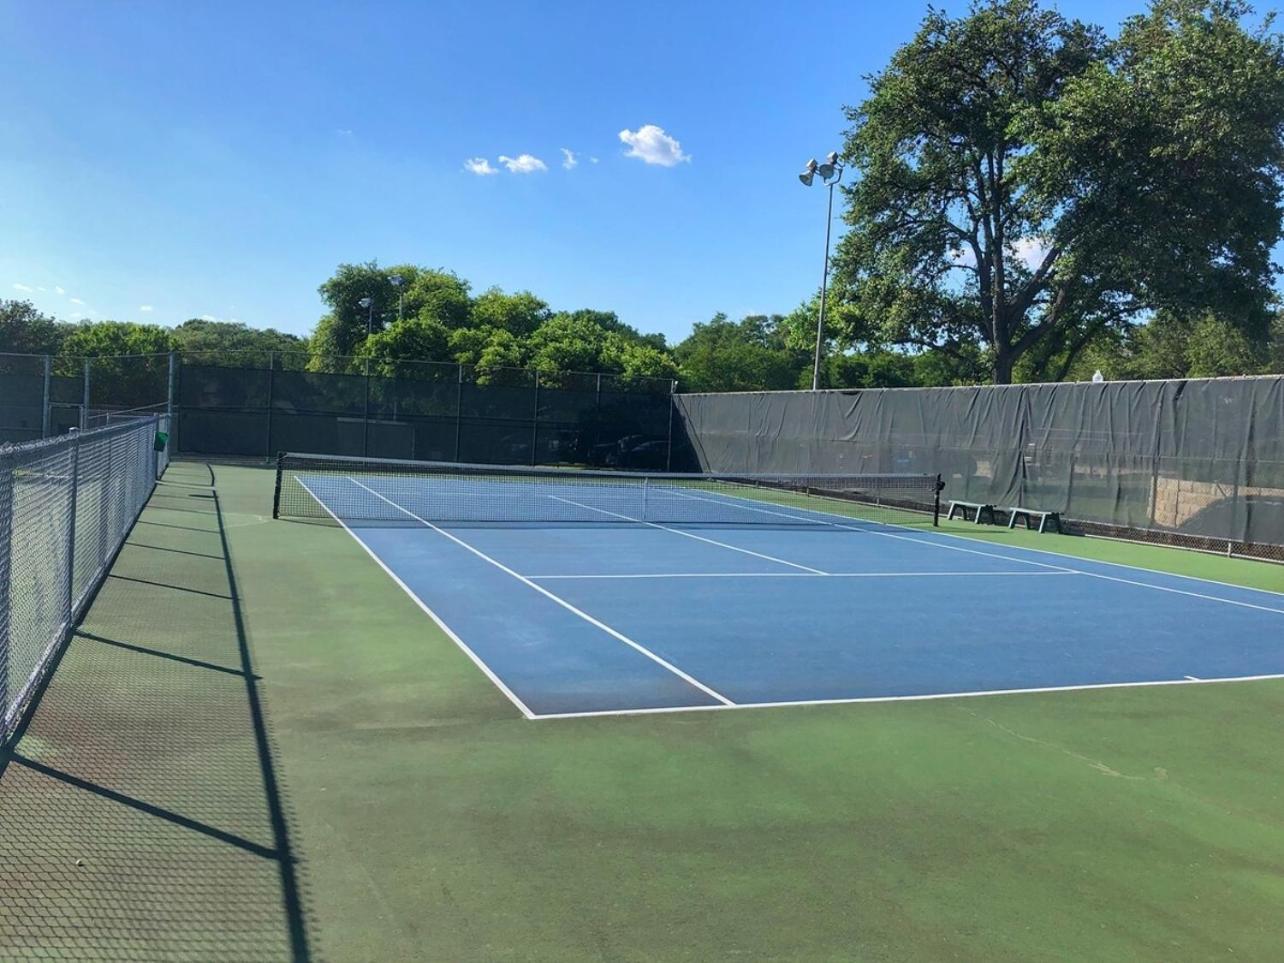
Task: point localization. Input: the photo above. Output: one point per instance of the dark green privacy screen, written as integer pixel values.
(427, 412)
(1198, 458)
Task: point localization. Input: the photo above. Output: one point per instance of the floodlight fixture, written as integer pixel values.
(831, 172)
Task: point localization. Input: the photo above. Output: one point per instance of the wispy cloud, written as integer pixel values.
(652, 145)
(145, 308)
(60, 290)
(593, 160)
(343, 131)
(479, 166)
(523, 164)
(24, 288)
(75, 301)
(569, 160)
(208, 317)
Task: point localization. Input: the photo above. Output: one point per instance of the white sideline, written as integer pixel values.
(699, 538)
(1189, 680)
(1009, 558)
(450, 633)
(799, 575)
(690, 680)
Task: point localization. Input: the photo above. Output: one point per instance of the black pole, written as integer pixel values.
(267, 445)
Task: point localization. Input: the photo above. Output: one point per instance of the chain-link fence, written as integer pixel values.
(237, 404)
(66, 505)
(1195, 462)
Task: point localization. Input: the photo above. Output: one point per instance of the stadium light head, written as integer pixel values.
(365, 302)
(396, 280)
(809, 174)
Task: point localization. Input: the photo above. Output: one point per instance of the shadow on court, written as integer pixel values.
(141, 816)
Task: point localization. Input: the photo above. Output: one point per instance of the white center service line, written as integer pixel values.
(1007, 558)
(690, 680)
(698, 538)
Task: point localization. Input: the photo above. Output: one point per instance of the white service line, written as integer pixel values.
(1189, 680)
(1009, 558)
(801, 575)
(450, 633)
(596, 623)
(699, 538)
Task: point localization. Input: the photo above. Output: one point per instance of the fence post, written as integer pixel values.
(535, 423)
(668, 445)
(44, 409)
(6, 568)
(459, 407)
(84, 400)
(171, 423)
(71, 533)
(365, 418)
(267, 445)
(597, 421)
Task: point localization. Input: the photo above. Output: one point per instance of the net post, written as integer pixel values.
(44, 407)
(936, 503)
(276, 491)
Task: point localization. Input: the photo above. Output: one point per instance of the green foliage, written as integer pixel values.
(203, 340)
(754, 354)
(417, 339)
(1026, 186)
(24, 330)
(519, 314)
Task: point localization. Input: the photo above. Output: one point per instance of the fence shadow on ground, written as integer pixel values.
(141, 816)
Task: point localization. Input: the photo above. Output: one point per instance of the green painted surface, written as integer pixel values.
(431, 822)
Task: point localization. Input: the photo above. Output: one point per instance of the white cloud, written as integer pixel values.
(593, 160)
(145, 308)
(208, 317)
(60, 290)
(76, 301)
(25, 289)
(651, 145)
(523, 164)
(44, 289)
(343, 131)
(569, 160)
(479, 166)
(75, 315)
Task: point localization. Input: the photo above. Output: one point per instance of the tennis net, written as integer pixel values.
(370, 490)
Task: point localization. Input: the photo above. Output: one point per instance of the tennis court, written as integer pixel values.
(579, 594)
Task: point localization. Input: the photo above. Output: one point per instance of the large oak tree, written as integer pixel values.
(1027, 184)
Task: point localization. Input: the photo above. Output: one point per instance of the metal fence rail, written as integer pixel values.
(66, 505)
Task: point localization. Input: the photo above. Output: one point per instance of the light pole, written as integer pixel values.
(396, 280)
(368, 304)
(831, 172)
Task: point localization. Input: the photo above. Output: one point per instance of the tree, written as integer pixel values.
(752, 354)
(201, 340)
(519, 314)
(129, 362)
(1026, 186)
(24, 330)
(414, 339)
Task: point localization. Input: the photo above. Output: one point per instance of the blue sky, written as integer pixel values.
(166, 160)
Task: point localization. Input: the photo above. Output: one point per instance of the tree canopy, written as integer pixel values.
(1026, 186)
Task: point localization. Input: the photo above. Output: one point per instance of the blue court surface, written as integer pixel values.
(573, 619)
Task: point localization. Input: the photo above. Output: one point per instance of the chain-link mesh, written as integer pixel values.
(66, 505)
